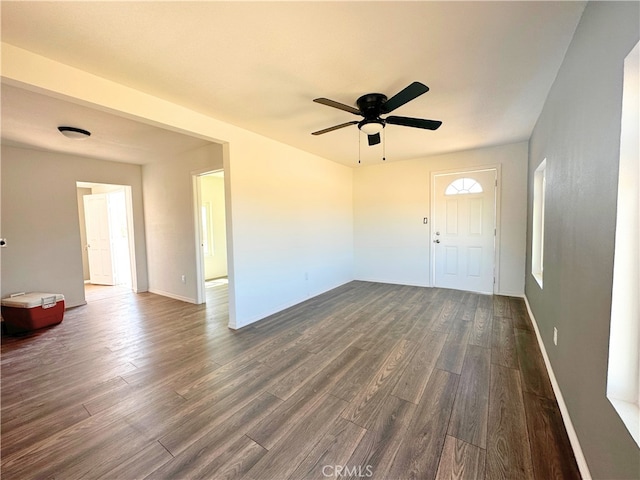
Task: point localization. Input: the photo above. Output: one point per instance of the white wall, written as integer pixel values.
(170, 222)
(215, 265)
(390, 200)
(289, 212)
(41, 223)
(292, 228)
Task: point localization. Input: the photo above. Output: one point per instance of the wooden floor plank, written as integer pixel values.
(360, 373)
(364, 407)
(373, 327)
(269, 431)
(414, 380)
(461, 460)
(508, 447)
(482, 325)
(214, 439)
(501, 306)
(232, 463)
(469, 417)
(424, 313)
(139, 465)
(503, 343)
(454, 348)
(91, 447)
(374, 455)
(373, 377)
(59, 387)
(151, 412)
(227, 374)
(30, 432)
(291, 450)
(519, 314)
(111, 394)
(334, 449)
(419, 453)
(218, 417)
(550, 447)
(468, 307)
(312, 365)
(534, 376)
(448, 312)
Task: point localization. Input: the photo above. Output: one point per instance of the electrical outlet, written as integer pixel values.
(183, 278)
(555, 336)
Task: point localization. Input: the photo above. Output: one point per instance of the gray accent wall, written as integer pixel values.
(578, 132)
(40, 220)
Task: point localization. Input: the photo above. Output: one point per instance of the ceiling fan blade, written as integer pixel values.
(336, 127)
(338, 105)
(414, 122)
(373, 139)
(406, 95)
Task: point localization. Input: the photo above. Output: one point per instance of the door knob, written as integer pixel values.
(437, 233)
(437, 240)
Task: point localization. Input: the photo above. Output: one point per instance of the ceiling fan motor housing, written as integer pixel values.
(370, 105)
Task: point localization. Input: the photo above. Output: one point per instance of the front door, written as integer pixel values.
(463, 230)
(96, 210)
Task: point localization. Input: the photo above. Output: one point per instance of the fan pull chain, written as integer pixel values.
(359, 146)
(384, 145)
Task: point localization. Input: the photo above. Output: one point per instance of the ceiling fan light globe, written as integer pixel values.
(371, 128)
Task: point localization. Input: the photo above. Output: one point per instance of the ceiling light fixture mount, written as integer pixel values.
(74, 133)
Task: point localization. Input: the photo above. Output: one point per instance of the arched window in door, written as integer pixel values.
(462, 186)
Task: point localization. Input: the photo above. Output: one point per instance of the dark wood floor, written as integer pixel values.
(366, 381)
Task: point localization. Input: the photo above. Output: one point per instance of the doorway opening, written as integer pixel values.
(106, 231)
(211, 235)
(464, 230)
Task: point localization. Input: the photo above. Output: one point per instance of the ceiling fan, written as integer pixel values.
(372, 105)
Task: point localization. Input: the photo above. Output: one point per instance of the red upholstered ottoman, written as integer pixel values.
(23, 312)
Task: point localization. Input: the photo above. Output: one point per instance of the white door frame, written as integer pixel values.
(496, 254)
(130, 229)
(197, 201)
(131, 236)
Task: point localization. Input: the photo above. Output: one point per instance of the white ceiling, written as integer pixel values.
(32, 119)
(258, 65)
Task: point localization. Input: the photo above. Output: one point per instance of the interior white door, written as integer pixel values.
(463, 230)
(96, 211)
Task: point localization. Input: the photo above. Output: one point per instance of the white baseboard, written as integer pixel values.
(511, 294)
(573, 437)
(172, 295)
